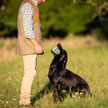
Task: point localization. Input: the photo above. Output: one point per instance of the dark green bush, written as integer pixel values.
(61, 16)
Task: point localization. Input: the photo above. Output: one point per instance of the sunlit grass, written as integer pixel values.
(91, 63)
(1, 44)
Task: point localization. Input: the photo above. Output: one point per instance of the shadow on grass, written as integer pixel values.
(47, 89)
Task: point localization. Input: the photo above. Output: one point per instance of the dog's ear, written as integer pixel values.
(52, 52)
(59, 46)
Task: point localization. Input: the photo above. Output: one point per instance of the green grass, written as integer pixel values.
(91, 63)
(1, 44)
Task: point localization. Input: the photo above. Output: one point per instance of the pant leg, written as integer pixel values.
(29, 74)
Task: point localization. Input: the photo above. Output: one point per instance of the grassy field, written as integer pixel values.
(88, 61)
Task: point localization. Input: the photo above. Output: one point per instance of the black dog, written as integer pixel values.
(62, 78)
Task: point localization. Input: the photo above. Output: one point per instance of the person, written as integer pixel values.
(28, 45)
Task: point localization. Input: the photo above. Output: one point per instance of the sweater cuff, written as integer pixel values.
(30, 37)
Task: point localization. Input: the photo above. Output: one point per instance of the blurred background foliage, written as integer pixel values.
(58, 18)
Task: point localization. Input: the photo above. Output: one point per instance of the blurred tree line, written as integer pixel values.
(60, 17)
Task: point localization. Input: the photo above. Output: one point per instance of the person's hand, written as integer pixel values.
(39, 49)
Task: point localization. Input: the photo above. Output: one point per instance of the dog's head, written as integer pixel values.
(60, 54)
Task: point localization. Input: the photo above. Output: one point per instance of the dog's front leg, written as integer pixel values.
(59, 90)
(55, 95)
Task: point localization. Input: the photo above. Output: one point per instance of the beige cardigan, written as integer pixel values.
(24, 45)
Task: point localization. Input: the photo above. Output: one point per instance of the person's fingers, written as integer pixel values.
(40, 51)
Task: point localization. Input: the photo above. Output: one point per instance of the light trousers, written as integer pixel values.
(29, 74)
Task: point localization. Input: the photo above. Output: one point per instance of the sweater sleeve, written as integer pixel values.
(27, 20)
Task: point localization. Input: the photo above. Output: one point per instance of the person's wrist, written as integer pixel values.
(35, 47)
(36, 44)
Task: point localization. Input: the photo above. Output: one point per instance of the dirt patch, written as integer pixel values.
(7, 49)
(8, 46)
(74, 42)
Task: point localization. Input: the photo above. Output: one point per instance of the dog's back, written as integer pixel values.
(71, 79)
